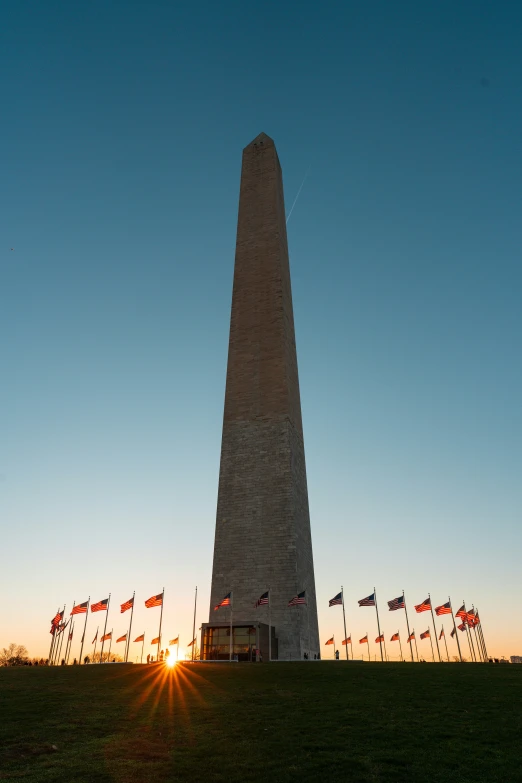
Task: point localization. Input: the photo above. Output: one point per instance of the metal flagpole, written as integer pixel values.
(142, 646)
(468, 634)
(385, 653)
(61, 640)
(269, 625)
(445, 642)
(344, 620)
(105, 627)
(58, 641)
(230, 649)
(480, 641)
(66, 656)
(84, 628)
(69, 644)
(400, 644)
(477, 639)
(95, 645)
(455, 628)
(378, 624)
(177, 651)
(110, 644)
(479, 626)
(130, 628)
(408, 626)
(53, 637)
(194, 622)
(161, 617)
(351, 644)
(416, 648)
(368, 643)
(434, 628)
(432, 652)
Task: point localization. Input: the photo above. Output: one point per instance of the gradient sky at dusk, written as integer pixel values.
(122, 131)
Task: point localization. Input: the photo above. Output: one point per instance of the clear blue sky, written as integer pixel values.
(122, 130)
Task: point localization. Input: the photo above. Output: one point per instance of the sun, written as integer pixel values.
(171, 661)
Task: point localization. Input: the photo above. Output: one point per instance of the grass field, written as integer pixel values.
(328, 721)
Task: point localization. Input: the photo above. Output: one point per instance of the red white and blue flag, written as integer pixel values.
(262, 601)
(101, 606)
(122, 638)
(330, 641)
(441, 634)
(80, 608)
(336, 600)
(396, 603)
(127, 605)
(425, 606)
(300, 598)
(425, 635)
(364, 639)
(462, 613)
(227, 601)
(395, 637)
(347, 641)
(443, 609)
(410, 637)
(369, 601)
(155, 600)
(380, 638)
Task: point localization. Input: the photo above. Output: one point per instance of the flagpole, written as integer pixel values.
(416, 648)
(455, 628)
(445, 642)
(130, 628)
(482, 637)
(434, 628)
(344, 620)
(69, 644)
(142, 646)
(408, 626)
(56, 652)
(431, 642)
(95, 645)
(368, 643)
(110, 644)
(84, 629)
(230, 650)
(468, 634)
(480, 642)
(53, 637)
(161, 617)
(105, 628)
(61, 640)
(477, 636)
(351, 644)
(378, 624)
(66, 656)
(400, 644)
(194, 622)
(269, 625)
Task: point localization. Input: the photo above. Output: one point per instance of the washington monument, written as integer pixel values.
(263, 540)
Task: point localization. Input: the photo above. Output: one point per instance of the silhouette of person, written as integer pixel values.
(148, 658)
(161, 656)
(337, 655)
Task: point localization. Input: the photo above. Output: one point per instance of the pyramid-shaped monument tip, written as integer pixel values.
(262, 139)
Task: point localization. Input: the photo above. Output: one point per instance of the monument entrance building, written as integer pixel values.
(262, 540)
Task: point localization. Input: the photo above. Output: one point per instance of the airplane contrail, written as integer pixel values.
(298, 192)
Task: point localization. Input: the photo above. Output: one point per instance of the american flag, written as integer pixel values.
(80, 608)
(364, 639)
(122, 638)
(95, 638)
(425, 635)
(462, 627)
(471, 619)
(347, 641)
(174, 641)
(227, 600)
(100, 606)
(425, 606)
(156, 600)
(107, 636)
(395, 637)
(370, 601)
(477, 618)
(140, 638)
(156, 640)
(452, 633)
(462, 613)
(380, 638)
(410, 637)
(191, 643)
(396, 603)
(441, 634)
(57, 618)
(262, 600)
(443, 609)
(127, 605)
(336, 600)
(330, 641)
(300, 598)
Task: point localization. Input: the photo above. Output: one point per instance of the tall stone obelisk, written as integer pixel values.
(263, 538)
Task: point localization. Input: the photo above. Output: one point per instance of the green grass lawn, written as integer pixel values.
(328, 721)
